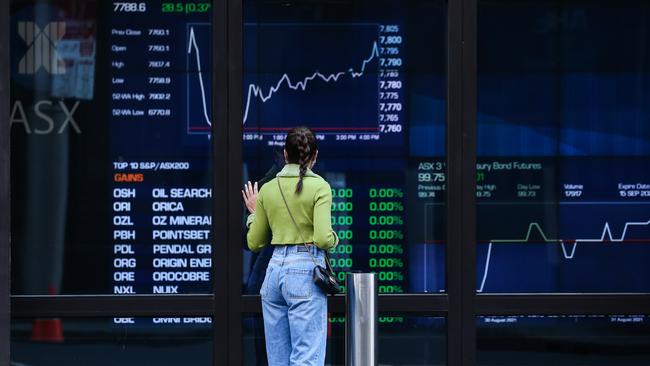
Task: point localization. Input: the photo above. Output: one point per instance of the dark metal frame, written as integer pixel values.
(467, 146)
(5, 204)
(220, 148)
(235, 205)
(460, 305)
(455, 342)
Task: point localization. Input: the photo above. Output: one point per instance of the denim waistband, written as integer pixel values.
(292, 249)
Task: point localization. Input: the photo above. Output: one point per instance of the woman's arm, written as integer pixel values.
(324, 236)
(258, 233)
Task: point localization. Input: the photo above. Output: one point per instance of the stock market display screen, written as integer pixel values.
(563, 173)
(116, 197)
(161, 163)
(111, 144)
(368, 77)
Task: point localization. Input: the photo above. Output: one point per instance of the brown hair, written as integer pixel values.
(301, 149)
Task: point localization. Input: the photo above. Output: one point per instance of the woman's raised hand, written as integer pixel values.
(250, 196)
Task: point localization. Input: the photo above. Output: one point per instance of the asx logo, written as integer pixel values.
(42, 47)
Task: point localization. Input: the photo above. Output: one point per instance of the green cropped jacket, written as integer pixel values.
(311, 209)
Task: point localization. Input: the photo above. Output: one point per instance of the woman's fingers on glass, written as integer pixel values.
(250, 196)
(247, 189)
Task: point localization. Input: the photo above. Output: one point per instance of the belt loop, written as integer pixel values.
(284, 254)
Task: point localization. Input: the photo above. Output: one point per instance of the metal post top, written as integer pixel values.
(362, 275)
(361, 326)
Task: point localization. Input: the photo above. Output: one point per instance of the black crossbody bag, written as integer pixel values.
(324, 277)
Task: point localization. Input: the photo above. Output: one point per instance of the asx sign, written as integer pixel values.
(45, 117)
(41, 52)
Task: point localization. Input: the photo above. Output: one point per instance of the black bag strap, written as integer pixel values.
(327, 259)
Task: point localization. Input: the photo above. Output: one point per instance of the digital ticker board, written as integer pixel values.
(160, 59)
(137, 208)
(370, 82)
(563, 172)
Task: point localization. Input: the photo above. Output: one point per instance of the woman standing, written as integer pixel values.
(294, 308)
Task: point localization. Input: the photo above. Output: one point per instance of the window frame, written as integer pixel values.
(5, 203)
(227, 305)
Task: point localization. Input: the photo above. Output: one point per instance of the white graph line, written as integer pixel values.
(607, 234)
(256, 91)
(193, 45)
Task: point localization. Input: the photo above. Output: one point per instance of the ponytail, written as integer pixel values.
(301, 149)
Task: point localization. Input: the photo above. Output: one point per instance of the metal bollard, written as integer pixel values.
(361, 323)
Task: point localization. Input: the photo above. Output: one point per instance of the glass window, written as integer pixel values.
(369, 78)
(563, 340)
(111, 341)
(403, 340)
(111, 164)
(563, 146)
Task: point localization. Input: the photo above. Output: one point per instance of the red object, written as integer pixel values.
(47, 330)
(329, 327)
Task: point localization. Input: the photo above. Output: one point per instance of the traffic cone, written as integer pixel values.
(47, 330)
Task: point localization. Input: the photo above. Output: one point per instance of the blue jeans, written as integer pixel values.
(294, 308)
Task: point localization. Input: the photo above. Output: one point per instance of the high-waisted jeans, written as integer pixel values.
(294, 308)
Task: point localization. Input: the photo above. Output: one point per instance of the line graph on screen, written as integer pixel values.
(342, 78)
(568, 246)
(256, 91)
(335, 78)
(198, 88)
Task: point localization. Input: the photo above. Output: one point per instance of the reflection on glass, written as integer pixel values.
(403, 340)
(369, 80)
(111, 341)
(111, 170)
(563, 168)
(563, 340)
